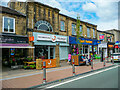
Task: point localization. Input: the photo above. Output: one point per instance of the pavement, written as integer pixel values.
(107, 78)
(35, 77)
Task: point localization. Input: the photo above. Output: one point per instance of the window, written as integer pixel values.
(43, 26)
(88, 32)
(73, 29)
(8, 24)
(81, 30)
(93, 33)
(62, 26)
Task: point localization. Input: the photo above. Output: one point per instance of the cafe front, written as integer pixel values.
(49, 46)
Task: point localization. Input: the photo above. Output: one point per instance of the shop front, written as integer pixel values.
(117, 47)
(46, 46)
(102, 50)
(88, 46)
(110, 48)
(14, 49)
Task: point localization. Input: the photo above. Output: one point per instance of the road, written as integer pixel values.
(107, 78)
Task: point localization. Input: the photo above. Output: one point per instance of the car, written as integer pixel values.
(116, 56)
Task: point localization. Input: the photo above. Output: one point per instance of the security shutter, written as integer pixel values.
(63, 53)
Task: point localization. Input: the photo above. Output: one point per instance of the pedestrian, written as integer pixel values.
(69, 58)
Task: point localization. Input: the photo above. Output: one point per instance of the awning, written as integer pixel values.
(6, 45)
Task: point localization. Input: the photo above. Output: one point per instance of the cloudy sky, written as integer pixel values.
(103, 13)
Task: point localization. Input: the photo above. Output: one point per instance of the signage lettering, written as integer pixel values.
(52, 38)
(13, 39)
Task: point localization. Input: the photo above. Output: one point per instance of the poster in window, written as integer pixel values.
(12, 51)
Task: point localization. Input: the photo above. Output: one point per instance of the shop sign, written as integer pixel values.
(52, 38)
(13, 39)
(117, 46)
(86, 41)
(110, 46)
(117, 42)
(101, 36)
(31, 38)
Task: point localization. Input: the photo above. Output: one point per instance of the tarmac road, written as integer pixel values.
(107, 78)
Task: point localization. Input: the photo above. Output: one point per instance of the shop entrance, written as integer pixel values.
(45, 52)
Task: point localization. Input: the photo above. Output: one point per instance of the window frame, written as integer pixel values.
(72, 29)
(13, 24)
(94, 33)
(60, 25)
(81, 30)
(89, 32)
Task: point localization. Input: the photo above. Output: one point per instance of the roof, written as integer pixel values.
(113, 30)
(105, 32)
(76, 19)
(8, 10)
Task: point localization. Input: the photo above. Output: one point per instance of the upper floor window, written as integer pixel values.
(62, 23)
(88, 32)
(73, 29)
(109, 38)
(8, 24)
(43, 26)
(81, 30)
(93, 33)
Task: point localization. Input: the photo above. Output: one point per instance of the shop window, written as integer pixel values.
(8, 24)
(93, 33)
(73, 29)
(88, 32)
(81, 30)
(62, 23)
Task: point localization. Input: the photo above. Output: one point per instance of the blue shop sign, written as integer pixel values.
(73, 40)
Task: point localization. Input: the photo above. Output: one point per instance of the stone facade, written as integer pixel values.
(116, 34)
(20, 23)
(36, 11)
(105, 35)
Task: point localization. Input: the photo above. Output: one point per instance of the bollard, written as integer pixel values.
(104, 62)
(112, 60)
(107, 60)
(91, 65)
(44, 72)
(73, 67)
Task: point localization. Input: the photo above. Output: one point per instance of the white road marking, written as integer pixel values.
(81, 77)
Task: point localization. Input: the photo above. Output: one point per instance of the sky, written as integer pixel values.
(103, 13)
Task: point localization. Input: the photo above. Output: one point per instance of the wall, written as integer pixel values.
(20, 23)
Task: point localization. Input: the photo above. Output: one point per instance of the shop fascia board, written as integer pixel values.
(16, 47)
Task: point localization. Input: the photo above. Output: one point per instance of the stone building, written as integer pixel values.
(50, 30)
(116, 38)
(13, 38)
(107, 43)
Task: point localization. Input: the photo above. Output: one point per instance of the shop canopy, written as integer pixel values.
(84, 41)
(6, 45)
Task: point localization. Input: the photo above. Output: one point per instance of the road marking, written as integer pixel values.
(81, 77)
(34, 73)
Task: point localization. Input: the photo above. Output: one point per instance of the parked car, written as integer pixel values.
(116, 56)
